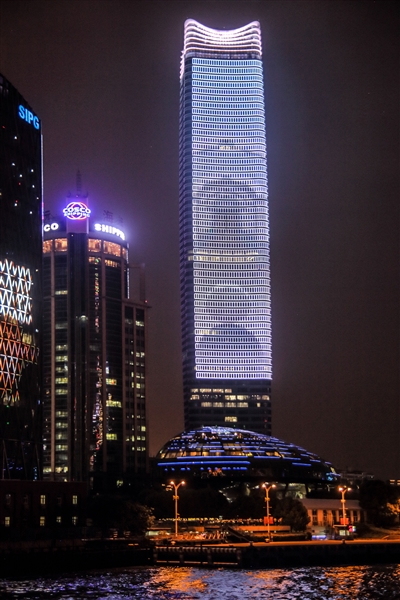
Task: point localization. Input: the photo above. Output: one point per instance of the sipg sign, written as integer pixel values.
(76, 211)
(28, 116)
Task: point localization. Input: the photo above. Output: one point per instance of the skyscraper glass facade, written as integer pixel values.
(224, 231)
(20, 285)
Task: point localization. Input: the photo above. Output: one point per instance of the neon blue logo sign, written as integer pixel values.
(28, 116)
(76, 211)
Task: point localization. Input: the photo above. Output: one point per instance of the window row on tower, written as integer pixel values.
(215, 150)
(224, 96)
(234, 66)
(208, 106)
(233, 79)
(225, 112)
(243, 297)
(227, 124)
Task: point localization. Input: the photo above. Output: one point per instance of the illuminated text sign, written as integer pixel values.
(52, 227)
(28, 116)
(109, 229)
(77, 211)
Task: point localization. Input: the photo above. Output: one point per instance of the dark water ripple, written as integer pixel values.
(183, 583)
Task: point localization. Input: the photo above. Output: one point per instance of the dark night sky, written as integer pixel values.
(104, 78)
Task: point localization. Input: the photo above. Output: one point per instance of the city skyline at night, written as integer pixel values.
(107, 94)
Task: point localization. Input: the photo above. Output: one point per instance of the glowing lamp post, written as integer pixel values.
(176, 498)
(267, 488)
(344, 490)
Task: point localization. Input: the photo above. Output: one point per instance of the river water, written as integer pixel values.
(186, 583)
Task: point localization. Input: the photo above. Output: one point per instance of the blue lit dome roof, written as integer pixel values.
(210, 451)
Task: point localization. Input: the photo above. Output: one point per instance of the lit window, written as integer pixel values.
(112, 248)
(74, 520)
(42, 499)
(114, 403)
(94, 245)
(61, 358)
(74, 499)
(7, 521)
(111, 436)
(58, 519)
(42, 521)
(112, 263)
(61, 245)
(230, 419)
(47, 246)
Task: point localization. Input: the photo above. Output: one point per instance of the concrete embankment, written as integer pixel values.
(24, 559)
(276, 555)
(21, 559)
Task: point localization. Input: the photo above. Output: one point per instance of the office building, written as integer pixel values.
(94, 344)
(224, 230)
(20, 285)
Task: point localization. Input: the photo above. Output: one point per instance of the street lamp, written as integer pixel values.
(267, 488)
(176, 498)
(344, 489)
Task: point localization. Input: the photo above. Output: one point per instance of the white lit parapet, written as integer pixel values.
(199, 38)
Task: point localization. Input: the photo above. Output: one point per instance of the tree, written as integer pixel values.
(119, 512)
(380, 502)
(290, 511)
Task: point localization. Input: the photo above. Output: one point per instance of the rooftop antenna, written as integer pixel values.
(78, 183)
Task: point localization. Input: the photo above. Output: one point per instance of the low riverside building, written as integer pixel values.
(41, 504)
(326, 512)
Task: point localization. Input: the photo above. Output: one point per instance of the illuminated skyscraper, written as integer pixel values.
(20, 285)
(93, 353)
(224, 231)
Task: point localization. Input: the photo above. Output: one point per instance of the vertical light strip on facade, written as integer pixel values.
(224, 199)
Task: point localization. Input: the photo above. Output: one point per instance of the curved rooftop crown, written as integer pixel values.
(200, 40)
(230, 450)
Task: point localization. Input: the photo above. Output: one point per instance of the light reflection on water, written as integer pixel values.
(184, 583)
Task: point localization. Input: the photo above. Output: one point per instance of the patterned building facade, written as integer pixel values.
(224, 230)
